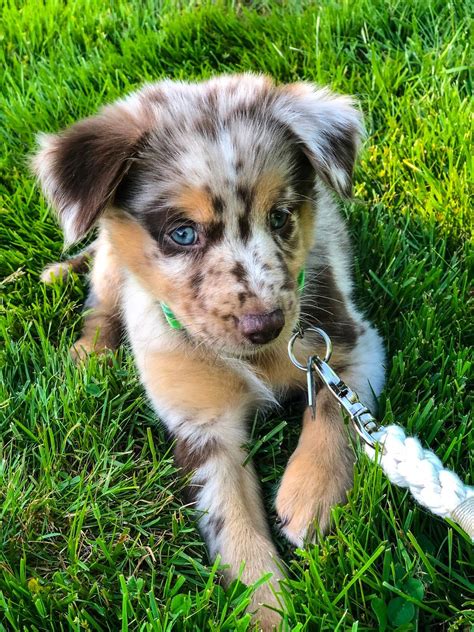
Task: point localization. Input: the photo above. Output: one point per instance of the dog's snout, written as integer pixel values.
(261, 328)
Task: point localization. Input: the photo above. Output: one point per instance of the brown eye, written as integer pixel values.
(278, 218)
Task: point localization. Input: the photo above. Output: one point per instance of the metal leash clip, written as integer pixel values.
(363, 420)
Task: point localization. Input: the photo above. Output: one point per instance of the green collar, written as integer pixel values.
(301, 279)
(171, 319)
(174, 323)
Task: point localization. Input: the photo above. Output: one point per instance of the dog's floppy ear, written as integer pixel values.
(330, 129)
(80, 168)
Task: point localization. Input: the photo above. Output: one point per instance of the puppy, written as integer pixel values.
(211, 200)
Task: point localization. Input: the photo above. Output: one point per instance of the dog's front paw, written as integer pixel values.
(306, 495)
(264, 616)
(267, 620)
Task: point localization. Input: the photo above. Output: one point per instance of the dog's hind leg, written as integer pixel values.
(102, 326)
(79, 263)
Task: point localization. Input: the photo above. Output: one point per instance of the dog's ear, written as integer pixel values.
(80, 168)
(330, 129)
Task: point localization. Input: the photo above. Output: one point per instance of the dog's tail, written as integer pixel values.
(61, 269)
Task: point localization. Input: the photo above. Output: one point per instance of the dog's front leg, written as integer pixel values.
(204, 407)
(320, 470)
(318, 474)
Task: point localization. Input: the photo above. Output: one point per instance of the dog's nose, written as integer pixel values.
(261, 328)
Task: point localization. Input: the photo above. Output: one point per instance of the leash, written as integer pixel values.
(403, 459)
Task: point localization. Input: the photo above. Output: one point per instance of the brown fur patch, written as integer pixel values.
(102, 326)
(87, 163)
(268, 190)
(190, 456)
(137, 251)
(306, 222)
(328, 310)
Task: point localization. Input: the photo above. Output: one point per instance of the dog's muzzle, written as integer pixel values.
(262, 328)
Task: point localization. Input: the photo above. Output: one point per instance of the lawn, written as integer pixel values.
(94, 533)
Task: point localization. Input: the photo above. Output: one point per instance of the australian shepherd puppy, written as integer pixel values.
(218, 233)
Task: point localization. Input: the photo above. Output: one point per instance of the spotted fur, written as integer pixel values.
(230, 159)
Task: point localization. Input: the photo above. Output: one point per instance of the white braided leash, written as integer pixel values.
(407, 464)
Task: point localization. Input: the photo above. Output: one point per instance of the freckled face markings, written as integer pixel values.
(257, 200)
(244, 196)
(210, 209)
(195, 283)
(244, 227)
(218, 205)
(239, 272)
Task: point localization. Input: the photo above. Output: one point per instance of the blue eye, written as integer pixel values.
(184, 236)
(278, 218)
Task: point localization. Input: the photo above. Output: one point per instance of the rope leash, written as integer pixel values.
(403, 459)
(407, 464)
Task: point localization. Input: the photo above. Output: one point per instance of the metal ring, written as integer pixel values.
(300, 334)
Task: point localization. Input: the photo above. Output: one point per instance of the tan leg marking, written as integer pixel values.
(319, 472)
(102, 326)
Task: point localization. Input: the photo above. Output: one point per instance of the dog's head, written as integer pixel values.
(208, 194)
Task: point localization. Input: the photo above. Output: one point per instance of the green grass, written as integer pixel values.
(93, 531)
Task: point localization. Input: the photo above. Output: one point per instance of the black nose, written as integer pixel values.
(261, 328)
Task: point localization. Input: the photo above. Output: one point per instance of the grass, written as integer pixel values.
(93, 531)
